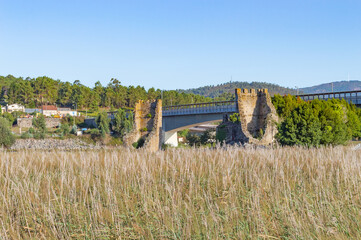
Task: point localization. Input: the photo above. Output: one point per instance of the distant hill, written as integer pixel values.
(214, 91)
(339, 86)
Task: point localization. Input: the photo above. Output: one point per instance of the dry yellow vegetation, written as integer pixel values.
(284, 193)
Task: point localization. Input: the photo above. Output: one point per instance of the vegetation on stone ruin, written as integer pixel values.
(230, 193)
(234, 118)
(316, 122)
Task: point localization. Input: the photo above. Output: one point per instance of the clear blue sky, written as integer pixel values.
(182, 44)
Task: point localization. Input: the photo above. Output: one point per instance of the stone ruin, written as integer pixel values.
(147, 125)
(257, 119)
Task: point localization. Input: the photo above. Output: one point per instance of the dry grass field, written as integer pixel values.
(285, 193)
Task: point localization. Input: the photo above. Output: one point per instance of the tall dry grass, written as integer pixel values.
(286, 193)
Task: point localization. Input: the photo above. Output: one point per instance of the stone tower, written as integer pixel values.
(257, 115)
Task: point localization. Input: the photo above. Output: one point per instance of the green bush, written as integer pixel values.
(95, 134)
(26, 135)
(40, 127)
(166, 146)
(115, 141)
(6, 137)
(316, 122)
(221, 134)
(31, 130)
(16, 115)
(122, 124)
(193, 140)
(102, 122)
(9, 117)
(39, 135)
(207, 137)
(74, 129)
(183, 133)
(64, 129)
(234, 118)
(73, 120)
(139, 143)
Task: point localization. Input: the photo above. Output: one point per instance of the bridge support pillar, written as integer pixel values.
(171, 138)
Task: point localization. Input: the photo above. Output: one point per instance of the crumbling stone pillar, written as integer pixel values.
(147, 125)
(257, 115)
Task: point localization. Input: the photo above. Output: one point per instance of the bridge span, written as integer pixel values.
(179, 117)
(349, 96)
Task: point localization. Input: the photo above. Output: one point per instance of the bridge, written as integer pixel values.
(179, 117)
(349, 96)
(194, 114)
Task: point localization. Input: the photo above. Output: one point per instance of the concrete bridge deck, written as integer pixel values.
(349, 96)
(176, 118)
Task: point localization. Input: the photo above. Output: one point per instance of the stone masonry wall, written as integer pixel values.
(257, 114)
(134, 135)
(28, 122)
(153, 141)
(141, 122)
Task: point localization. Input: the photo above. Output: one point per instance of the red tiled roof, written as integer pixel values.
(49, 107)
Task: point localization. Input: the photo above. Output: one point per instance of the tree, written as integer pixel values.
(118, 94)
(208, 136)
(128, 126)
(65, 93)
(193, 139)
(45, 89)
(316, 122)
(9, 117)
(153, 94)
(99, 93)
(40, 127)
(102, 122)
(6, 137)
(121, 123)
(64, 129)
(301, 127)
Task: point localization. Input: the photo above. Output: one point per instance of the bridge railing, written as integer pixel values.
(354, 96)
(200, 108)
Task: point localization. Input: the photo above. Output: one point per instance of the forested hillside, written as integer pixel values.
(226, 90)
(337, 87)
(34, 92)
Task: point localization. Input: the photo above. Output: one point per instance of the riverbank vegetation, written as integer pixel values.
(316, 122)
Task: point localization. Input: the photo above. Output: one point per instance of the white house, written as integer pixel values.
(14, 108)
(65, 111)
(49, 110)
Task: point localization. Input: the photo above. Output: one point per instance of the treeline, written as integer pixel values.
(316, 122)
(339, 86)
(226, 90)
(35, 92)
